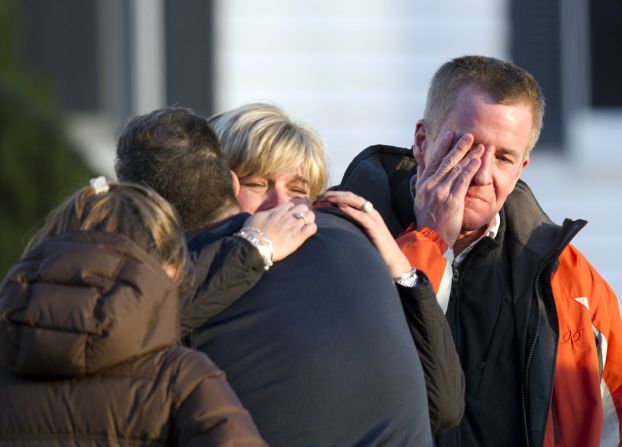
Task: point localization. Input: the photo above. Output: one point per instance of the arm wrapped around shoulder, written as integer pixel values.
(444, 378)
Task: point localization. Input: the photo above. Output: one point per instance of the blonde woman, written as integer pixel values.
(89, 326)
(275, 159)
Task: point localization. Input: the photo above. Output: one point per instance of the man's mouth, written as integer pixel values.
(474, 197)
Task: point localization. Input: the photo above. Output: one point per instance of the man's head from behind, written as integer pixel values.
(503, 81)
(175, 152)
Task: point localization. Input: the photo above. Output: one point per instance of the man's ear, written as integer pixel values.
(525, 163)
(235, 182)
(420, 139)
(523, 166)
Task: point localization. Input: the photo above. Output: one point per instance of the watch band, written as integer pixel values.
(260, 241)
(408, 279)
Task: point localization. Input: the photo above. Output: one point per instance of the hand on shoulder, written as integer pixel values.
(363, 213)
(287, 226)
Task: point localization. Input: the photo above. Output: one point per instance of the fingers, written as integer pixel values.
(460, 176)
(371, 221)
(463, 147)
(282, 219)
(308, 230)
(336, 198)
(437, 154)
(304, 215)
(454, 156)
(378, 233)
(443, 184)
(286, 208)
(287, 226)
(466, 177)
(301, 208)
(292, 230)
(453, 187)
(456, 170)
(354, 206)
(418, 154)
(443, 161)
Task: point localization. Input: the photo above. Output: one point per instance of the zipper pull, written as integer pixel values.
(456, 274)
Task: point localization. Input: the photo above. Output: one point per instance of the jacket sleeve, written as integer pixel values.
(588, 307)
(224, 271)
(441, 365)
(209, 413)
(424, 249)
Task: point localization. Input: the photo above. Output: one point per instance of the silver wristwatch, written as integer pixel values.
(408, 279)
(260, 242)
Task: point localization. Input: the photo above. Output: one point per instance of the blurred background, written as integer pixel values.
(73, 71)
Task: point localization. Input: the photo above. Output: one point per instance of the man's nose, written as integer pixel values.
(483, 176)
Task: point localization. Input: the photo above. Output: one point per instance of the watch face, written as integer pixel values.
(260, 242)
(410, 279)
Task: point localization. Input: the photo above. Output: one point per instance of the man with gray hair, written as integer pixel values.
(537, 329)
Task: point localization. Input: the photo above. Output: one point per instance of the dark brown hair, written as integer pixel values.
(175, 152)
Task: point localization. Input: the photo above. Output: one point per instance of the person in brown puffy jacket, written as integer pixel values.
(89, 326)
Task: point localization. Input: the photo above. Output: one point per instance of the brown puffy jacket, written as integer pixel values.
(89, 325)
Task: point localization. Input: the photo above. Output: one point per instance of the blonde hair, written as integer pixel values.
(134, 211)
(259, 139)
(505, 82)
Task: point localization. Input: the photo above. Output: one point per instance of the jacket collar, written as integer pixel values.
(225, 227)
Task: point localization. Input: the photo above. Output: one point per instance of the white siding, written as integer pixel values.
(356, 71)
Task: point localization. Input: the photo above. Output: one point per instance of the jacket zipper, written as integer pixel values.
(563, 242)
(453, 295)
(528, 363)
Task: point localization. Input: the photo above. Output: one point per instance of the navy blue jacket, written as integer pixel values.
(319, 350)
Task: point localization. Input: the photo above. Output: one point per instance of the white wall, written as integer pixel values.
(355, 71)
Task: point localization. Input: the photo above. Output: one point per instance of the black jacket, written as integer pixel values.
(319, 350)
(225, 269)
(228, 267)
(513, 270)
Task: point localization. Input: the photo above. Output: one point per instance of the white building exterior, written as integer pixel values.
(357, 72)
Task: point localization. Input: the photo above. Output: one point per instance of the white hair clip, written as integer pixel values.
(99, 184)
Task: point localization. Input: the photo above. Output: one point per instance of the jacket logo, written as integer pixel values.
(571, 336)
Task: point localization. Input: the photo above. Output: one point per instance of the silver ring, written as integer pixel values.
(367, 206)
(301, 215)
